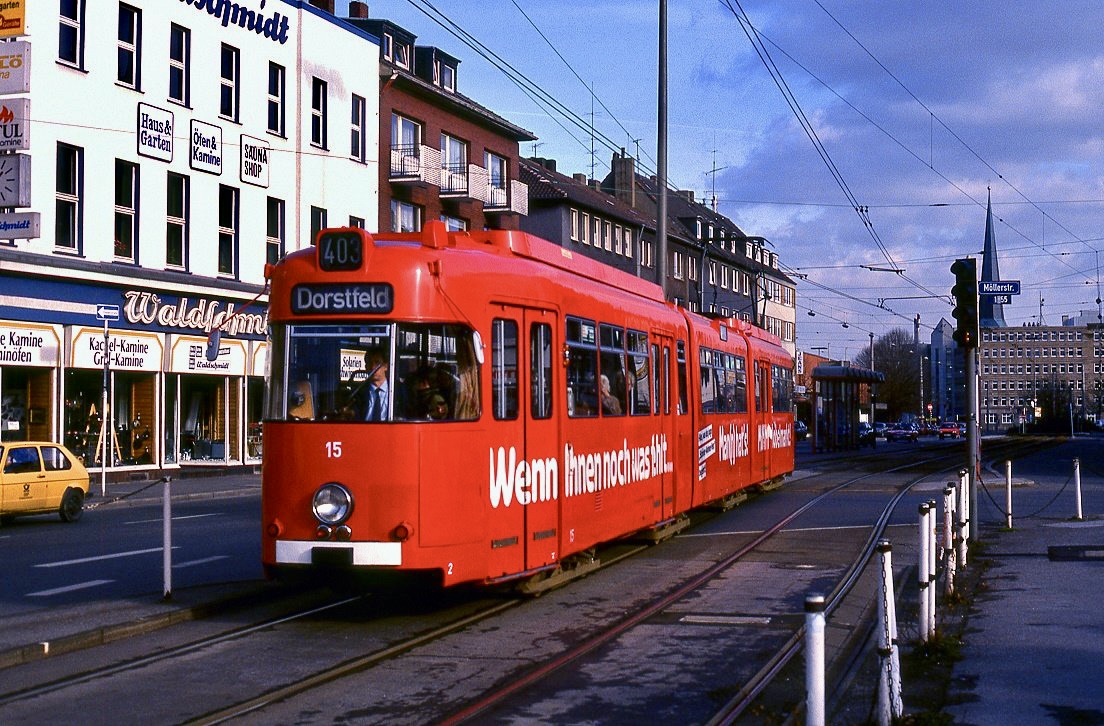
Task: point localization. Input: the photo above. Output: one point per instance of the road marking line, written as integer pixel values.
(175, 519)
(788, 530)
(84, 560)
(204, 561)
(69, 588)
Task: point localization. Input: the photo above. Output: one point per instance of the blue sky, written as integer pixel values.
(921, 107)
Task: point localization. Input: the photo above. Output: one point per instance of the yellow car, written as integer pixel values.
(38, 477)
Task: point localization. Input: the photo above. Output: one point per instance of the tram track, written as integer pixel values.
(390, 652)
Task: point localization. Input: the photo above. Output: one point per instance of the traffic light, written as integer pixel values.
(965, 293)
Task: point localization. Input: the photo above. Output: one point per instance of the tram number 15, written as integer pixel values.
(333, 449)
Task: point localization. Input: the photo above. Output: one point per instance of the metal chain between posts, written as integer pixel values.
(1037, 512)
(121, 497)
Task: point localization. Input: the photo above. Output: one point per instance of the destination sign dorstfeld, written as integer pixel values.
(999, 287)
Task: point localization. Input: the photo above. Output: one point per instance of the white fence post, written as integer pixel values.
(890, 705)
(166, 559)
(949, 555)
(933, 514)
(922, 575)
(1008, 493)
(963, 517)
(814, 660)
(1077, 485)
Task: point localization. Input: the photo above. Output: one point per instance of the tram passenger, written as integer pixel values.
(610, 404)
(438, 408)
(378, 389)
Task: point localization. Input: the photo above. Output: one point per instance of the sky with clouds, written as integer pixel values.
(921, 109)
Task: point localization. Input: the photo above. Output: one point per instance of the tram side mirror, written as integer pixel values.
(213, 340)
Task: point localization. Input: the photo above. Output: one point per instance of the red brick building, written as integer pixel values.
(442, 155)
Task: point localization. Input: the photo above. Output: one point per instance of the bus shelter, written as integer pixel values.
(836, 402)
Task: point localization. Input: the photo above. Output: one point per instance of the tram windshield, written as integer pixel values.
(373, 373)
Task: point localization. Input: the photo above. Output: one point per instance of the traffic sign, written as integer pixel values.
(107, 312)
(999, 287)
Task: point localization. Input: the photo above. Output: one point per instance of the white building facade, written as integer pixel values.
(154, 156)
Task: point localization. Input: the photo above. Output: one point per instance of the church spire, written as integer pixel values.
(991, 314)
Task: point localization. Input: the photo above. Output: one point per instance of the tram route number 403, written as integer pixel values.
(340, 250)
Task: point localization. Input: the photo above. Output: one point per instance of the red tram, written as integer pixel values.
(484, 406)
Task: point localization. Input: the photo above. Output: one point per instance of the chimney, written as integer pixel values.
(624, 178)
(327, 5)
(358, 9)
(579, 178)
(687, 194)
(594, 184)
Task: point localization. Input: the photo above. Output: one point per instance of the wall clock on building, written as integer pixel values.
(15, 180)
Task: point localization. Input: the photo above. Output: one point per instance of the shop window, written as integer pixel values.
(26, 403)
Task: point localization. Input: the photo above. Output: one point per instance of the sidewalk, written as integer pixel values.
(1034, 641)
(189, 486)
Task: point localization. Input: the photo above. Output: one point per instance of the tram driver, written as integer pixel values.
(378, 389)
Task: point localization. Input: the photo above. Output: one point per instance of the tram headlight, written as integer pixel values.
(332, 504)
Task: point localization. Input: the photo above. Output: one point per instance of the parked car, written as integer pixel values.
(800, 430)
(866, 435)
(902, 433)
(38, 477)
(948, 428)
(880, 429)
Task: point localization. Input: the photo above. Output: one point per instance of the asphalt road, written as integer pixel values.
(116, 552)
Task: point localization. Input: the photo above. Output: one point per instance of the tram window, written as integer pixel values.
(504, 369)
(762, 381)
(655, 391)
(540, 370)
(683, 405)
(640, 374)
(708, 381)
(324, 372)
(582, 368)
(666, 380)
(611, 358)
(782, 389)
(738, 376)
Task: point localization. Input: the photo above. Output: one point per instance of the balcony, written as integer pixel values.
(415, 163)
(504, 198)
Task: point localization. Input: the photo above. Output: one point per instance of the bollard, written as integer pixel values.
(961, 515)
(1008, 494)
(166, 511)
(948, 540)
(814, 660)
(890, 705)
(922, 575)
(933, 514)
(1077, 485)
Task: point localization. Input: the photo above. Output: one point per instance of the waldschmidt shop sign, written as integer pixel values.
(273, 26)
(147, 308)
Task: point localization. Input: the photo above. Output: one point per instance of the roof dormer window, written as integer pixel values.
(444, 75)
(386, 46)
(402, 55)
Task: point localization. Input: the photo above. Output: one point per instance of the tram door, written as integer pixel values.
(665, 404)
(524, 398)
(763, 417)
